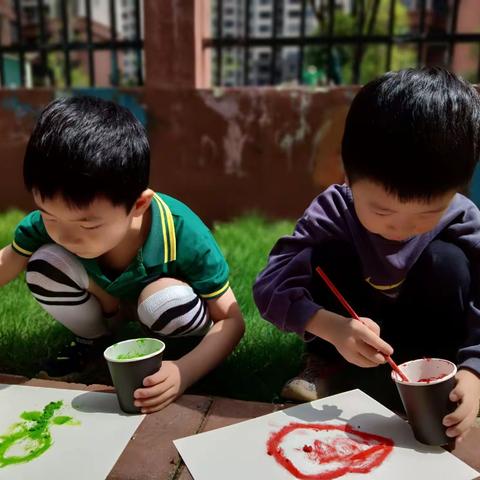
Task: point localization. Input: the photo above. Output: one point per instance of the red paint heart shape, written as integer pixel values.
(359, 452)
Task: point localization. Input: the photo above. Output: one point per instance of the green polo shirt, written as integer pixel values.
(179, 245)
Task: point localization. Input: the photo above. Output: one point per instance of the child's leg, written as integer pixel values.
(429, 318)
(169, 308)
(59, 283)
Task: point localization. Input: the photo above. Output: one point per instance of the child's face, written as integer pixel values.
(87, 232)
(382, 213)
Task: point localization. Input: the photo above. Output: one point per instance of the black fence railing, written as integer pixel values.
(429, 31)
(37, 33)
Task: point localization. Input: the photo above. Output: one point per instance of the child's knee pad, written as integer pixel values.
(59, 282)
(175, 311)
(52, 271)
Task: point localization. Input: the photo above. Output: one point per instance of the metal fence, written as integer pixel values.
(40, 42)
(432, 35)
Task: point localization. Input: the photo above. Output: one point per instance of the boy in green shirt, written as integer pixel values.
(101, 241)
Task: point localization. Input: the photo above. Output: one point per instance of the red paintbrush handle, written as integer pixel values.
(333, 288)
(395, 368)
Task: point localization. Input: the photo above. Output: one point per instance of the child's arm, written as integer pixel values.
(282, 290)
(358, 342)
(11, 264)
(174, 377)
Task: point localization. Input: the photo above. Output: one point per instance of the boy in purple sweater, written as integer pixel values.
(397, 240)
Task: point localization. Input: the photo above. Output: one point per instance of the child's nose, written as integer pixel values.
(403, 227)
(67, 239)
(407, 228)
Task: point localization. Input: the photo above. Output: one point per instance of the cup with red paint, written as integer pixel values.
(426, 397)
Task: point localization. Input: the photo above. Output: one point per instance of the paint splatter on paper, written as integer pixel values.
(27, 440)
(326, 451)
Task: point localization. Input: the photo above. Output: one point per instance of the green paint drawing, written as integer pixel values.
(27, 440)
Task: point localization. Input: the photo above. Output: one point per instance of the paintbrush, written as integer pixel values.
(351, 311)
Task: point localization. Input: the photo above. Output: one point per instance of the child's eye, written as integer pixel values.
(382, 214)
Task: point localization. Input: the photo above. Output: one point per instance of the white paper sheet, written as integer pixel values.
(85, 451)
(240, 451)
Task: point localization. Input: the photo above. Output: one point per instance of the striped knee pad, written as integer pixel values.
(175, 311)
(59, 282)
(56, 277)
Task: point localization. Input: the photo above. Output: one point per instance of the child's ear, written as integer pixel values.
(143, 202)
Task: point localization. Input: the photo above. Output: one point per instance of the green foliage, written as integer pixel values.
(373, 60)
(56, 63)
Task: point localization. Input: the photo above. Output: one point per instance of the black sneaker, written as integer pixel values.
(75, 360)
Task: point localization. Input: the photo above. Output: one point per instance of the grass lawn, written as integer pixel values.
(256, 370)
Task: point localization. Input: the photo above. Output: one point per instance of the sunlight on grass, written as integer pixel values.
(264, 359)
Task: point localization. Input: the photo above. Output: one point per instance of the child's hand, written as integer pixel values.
(467, 394)
(161, 388)
(359, 342)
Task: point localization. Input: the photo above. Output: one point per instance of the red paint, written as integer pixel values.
(349, 452)
(431, 379)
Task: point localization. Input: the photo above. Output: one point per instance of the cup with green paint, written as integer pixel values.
(129, 363)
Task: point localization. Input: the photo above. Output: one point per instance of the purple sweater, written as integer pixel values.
(281, 289)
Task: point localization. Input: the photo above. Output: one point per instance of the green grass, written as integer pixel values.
(256, 370)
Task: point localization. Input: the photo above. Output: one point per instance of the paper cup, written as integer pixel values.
(129, 363)
(425, 397)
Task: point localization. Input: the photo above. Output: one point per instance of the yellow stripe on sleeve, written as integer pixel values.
(21, 250)
(171, 229)
(218, 292)
(165, 246)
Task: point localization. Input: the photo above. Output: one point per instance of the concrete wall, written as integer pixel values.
(222, 152)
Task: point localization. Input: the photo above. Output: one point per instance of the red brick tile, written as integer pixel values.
(12, 379)
(38, 382)
(151, 454)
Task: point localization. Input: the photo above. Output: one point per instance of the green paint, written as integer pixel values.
(143, 348)
(64, 420)
(31, 438)
(130, 355)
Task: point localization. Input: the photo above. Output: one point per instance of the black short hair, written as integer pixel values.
(415, 132)
(83, 147)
